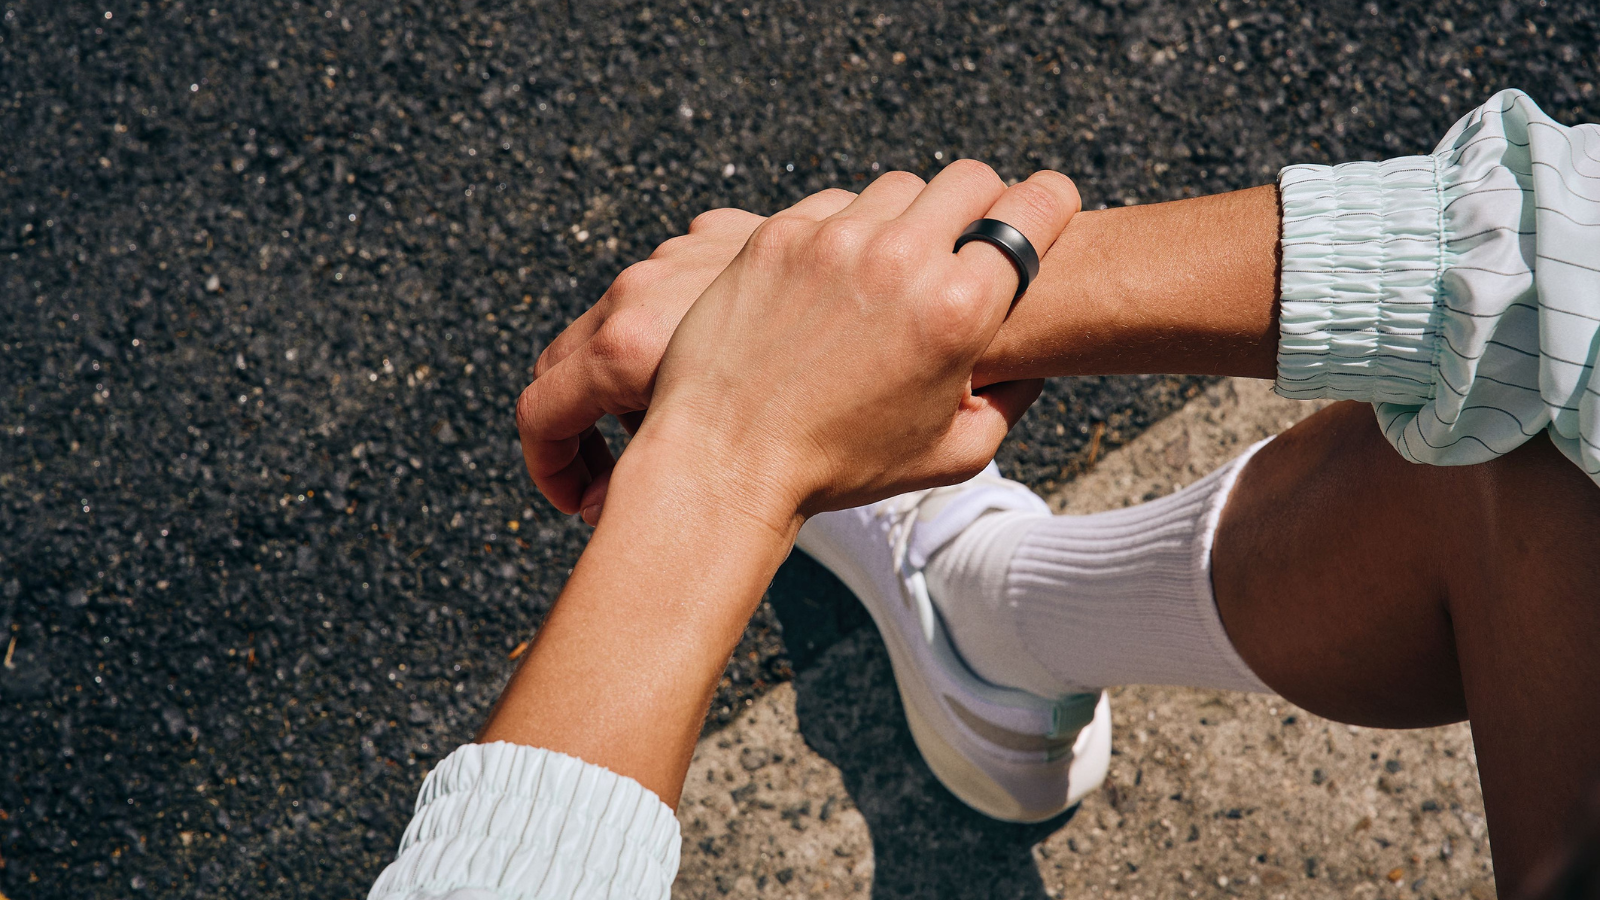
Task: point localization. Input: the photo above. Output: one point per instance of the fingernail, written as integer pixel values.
(591, 514)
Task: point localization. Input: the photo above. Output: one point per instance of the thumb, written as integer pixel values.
(1010, 399)
(983, 420)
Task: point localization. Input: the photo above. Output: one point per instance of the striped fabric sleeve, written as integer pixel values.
(501, 821)
(1459, 291)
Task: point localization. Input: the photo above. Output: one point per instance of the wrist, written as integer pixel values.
(1186, 287)
(626, 661)
(708, 472)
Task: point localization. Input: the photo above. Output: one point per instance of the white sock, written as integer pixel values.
(1057, 604)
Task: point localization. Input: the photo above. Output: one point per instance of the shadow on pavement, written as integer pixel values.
(925, 842)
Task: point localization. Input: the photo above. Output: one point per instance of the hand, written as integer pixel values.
(605, 361)
(830, 363)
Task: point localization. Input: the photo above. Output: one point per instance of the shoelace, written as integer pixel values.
(1071, 712)
(902, 511)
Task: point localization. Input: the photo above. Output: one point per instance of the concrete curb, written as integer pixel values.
(817, 791)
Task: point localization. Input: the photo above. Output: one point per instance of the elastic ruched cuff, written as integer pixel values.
(1459, 291)
(1362, 254)
(500, 821)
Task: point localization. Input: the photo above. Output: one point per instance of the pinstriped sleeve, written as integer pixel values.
(501, 821)
(1459, 291)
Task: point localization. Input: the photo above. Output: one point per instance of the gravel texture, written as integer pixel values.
(273, 273)
(818, 790)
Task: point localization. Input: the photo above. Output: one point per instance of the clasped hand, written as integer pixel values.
(817, 359)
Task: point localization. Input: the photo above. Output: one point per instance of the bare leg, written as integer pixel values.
(1377, 592)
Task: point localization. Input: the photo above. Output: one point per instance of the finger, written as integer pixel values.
(1011, 399)
(597, 458)
(960, 193)
(564, 487)
(821, 205)
(594, 499)
(584, 326)
(556, 410)
(886, 197)
(570, 339)
(1039, 208)
(594, 496)
(725, 219)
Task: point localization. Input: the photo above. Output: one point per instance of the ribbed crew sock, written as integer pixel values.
(1057, 604)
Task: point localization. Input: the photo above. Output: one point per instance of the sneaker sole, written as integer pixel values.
(1052, 787)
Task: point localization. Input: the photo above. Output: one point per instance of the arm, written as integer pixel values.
(746, 435)
(626, 662)
(1188, 286)
(566, 792)
(1456, 290)
(1184, 287)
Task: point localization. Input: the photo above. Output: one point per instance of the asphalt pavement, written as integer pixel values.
(272, 274)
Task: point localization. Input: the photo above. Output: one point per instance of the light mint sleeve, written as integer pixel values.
(501, 821)
(1459, 291)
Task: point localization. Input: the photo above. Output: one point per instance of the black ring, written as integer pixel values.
(1013, 243)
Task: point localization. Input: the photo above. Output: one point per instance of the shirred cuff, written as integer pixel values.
(503, 820)
(1363, 250)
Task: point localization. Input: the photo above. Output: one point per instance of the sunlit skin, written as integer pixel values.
(1362, 587)
(838, 314)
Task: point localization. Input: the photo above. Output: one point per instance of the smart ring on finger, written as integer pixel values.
(1013, 243)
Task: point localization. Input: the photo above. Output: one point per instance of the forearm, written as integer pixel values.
(1184, 287)
(624, 666)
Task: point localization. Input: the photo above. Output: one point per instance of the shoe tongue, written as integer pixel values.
(948, 511)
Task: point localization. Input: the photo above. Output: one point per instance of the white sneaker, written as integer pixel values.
(1007, 753)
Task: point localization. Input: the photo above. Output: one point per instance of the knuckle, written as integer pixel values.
(713, 219)
(609, 344)
(778, 232)
(528, 410)
(902, 179)
(1064, 188)
(673, 246)
(976, 169)
(543, 364)
(838, 241)
(625, 338)
(631, 280)
(573, 336)
(1037, 204)
(834, 196)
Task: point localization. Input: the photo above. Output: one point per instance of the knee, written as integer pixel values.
(1531, 513)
